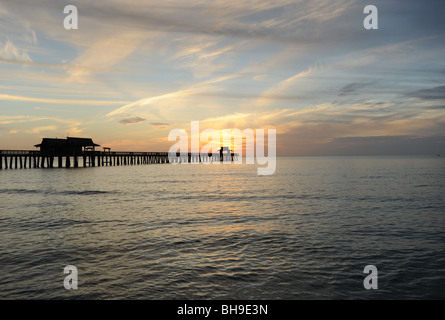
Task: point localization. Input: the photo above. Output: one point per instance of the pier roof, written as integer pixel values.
(84, 142)
(78, 142)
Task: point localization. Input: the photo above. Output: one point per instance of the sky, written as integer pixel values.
(135, 70)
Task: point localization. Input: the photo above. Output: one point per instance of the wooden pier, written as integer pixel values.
(27, 159)
(80, 152)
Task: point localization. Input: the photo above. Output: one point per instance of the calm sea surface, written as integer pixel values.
(223, 232)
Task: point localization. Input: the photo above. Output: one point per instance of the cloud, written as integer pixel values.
(9, 51)
(128, 145)
(437, 93)
(31, 37)
(160, 124)
(229, 117)
(56, 66)
(70, 125)
(202, 55)
(278, 88)
(8, 97)
(358, 138)
(169, 104)
(285, 21)
(435, 107)
(142, 104)
(132, 120)
(263, 96)
(105, 53)
(220, 18)
(353, 87)
(38, 130)
(388, 145)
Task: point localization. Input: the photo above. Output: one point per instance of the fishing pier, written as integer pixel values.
(81, 152)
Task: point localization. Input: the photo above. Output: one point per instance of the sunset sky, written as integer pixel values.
(134, 70)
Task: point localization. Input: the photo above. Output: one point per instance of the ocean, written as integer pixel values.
(197, 231)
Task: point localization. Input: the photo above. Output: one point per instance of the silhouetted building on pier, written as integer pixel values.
(69, 146)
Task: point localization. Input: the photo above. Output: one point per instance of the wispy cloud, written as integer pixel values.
(132, 120)
(146, 107)
(230, 117)
(105, 54)
(38, 130)
(160, 124)
(8, 51)
(8, 97)
(436, 93)
(353, 87)
(278, 90)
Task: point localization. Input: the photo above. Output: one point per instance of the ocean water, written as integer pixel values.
(201, 231)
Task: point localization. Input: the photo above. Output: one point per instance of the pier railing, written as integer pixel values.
(18, 152)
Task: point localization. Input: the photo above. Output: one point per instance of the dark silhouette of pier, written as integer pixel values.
(81, 152)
